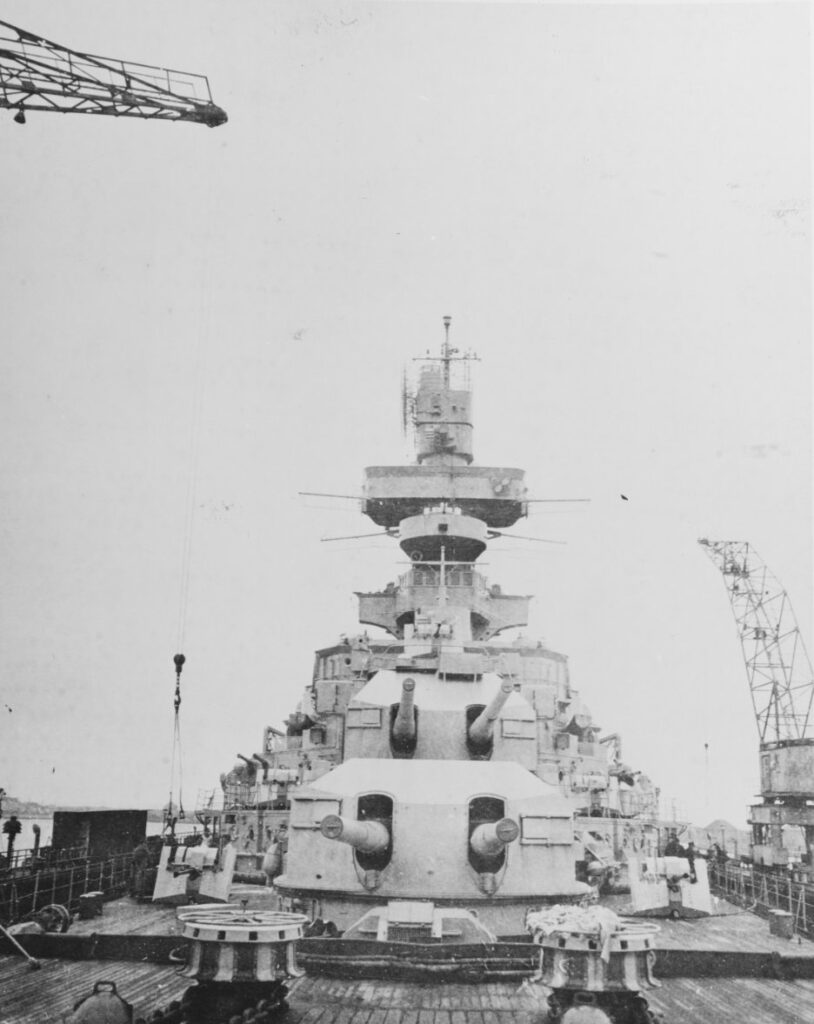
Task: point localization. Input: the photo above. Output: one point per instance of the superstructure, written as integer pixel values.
(438, 730)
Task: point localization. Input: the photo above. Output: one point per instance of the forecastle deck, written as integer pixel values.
(727, 968)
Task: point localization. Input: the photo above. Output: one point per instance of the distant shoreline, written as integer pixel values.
(29, 809)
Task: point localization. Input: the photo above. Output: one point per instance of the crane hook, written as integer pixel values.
(179, 660)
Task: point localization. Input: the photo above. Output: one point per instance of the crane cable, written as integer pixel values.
(170, 820)
(186, 550)
(194, 458)
(205, 311)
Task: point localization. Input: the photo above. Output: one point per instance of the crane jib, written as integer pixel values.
(36, 74)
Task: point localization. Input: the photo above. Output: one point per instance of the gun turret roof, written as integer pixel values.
(419, 785)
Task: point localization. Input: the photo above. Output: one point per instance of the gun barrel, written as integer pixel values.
(489, 839)
(249, 773)
(480, 731)
(364, 836)
(404, 728)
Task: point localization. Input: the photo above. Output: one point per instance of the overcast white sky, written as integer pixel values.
(613, 203)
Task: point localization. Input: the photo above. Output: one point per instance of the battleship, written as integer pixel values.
(437, 725)
(440, 834)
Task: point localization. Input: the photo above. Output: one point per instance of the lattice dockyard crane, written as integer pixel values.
(782, 687)
(36, 74)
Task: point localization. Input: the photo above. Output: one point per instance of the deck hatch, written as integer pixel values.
(518, 728)
(364, 718)
(545, 831)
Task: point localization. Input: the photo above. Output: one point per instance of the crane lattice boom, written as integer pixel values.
(36, 74)
(777, 664)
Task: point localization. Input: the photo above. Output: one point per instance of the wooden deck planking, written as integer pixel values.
(727, 929)
(682, 1001)
(731, 932)
(47, 995)
(696, 1001)
(129, 917)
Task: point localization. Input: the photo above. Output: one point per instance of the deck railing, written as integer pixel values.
(42, 857)
(762, 891)
(454, 576)
(23, 893)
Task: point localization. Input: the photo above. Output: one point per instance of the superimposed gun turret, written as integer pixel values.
(480, 731)
(241, 774)
(489, 839)
(404, 724)
(363, 836)
(251, 764)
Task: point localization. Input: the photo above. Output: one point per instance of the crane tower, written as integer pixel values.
(781, 683)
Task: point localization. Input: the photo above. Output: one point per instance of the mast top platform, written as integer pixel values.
(440, 413)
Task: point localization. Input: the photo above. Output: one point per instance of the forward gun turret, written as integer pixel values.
(363, 836)
(482, 729)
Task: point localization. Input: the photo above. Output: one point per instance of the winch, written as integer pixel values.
(238, 957)
(596, 964)
(233, 944)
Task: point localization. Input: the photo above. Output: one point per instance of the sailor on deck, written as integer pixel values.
(12, 829)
